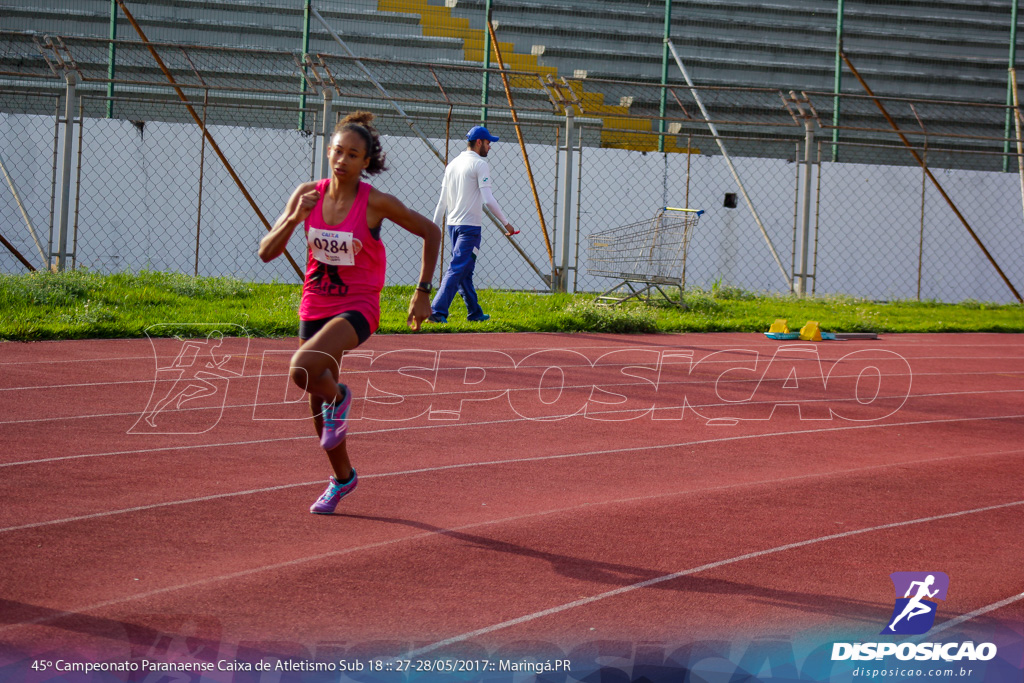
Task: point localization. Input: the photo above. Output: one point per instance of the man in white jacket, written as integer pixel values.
(464, 192)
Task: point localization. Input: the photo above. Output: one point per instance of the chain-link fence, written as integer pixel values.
(147, 188)
(168, 203)
(29, 168)
(914, 242)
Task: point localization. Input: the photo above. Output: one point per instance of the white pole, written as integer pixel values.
(806, 236)
(65, 183)
(24, 214)
(728, 161)
(1016, 121)
(563, 275)
(322, 171)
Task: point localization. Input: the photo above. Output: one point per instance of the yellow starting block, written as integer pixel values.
(811, 331)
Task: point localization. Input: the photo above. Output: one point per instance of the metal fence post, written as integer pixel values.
(796, 216)
(202, 169)
(579, 211)
(838, 81)
(800, 279)
(920, 242)
(322, 170)
(805, 237)
(487, 63)
(563, 270)
(1009, 85)
(305, 50)
(65, 177)
(111, 56)
(664, 75)
(1017, 129)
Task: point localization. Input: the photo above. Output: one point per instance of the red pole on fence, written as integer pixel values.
(11, 248)
(519, 134)
(206, 133)
(931, 177)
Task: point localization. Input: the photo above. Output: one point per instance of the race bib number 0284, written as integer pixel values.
(331, 247)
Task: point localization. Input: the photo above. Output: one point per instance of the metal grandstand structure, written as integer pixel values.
(66, 77)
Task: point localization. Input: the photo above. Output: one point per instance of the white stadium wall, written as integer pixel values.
(139, 189)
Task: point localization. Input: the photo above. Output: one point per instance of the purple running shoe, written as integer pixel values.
(330, 498)
(336, 420)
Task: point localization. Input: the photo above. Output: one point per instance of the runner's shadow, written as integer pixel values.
(655, 340)
(814, 603)
(573, 567)
(118, 634)
(621, 575)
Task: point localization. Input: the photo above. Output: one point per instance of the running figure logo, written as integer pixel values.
(914, 612)
(193, 371)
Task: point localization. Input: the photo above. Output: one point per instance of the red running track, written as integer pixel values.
(754, 501)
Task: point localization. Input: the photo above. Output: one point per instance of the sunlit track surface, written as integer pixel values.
(543, 488)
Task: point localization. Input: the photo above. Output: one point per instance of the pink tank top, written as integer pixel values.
(332, 289)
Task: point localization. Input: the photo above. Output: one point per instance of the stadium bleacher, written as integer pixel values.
(902, 47)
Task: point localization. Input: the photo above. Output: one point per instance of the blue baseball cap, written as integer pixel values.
(480, 133)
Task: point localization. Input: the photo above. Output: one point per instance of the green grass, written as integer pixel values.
(85, 305)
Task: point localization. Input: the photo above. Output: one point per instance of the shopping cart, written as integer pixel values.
(650, 253)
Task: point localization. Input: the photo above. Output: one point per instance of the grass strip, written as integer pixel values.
(87, 305)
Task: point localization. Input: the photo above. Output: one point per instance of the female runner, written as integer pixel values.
(340, 305)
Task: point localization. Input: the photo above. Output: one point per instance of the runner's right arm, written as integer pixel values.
(299, 206)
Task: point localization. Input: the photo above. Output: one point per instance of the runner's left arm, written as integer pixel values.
(387, 206)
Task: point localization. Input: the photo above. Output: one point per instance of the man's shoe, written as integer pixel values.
(481, 319)
(330, 498)
(437, 318)
(336, 420)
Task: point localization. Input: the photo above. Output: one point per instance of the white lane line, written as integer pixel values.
(687, 572)
(765, 358)
(201, 583)
(604, 385)
(487, 463)
(442, 425)
(971, 615)
(683, 341)
(160, 449)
